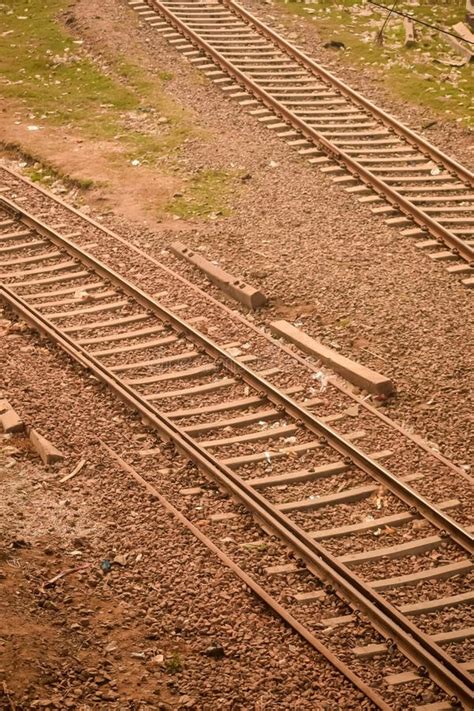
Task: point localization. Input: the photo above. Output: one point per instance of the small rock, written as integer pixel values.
(108, 695)
(334, 44)
(120, 559)
(353, 411)
(419, 524)
(215, 651)
(79, 542)
(49, 605)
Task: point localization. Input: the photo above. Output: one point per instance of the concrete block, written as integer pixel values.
(4, 406)
(355, 373)
(48, 452)
(11, 422)
(231, 285)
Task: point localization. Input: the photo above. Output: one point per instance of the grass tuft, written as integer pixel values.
(206, 195)
(174, 664)
(415, 74)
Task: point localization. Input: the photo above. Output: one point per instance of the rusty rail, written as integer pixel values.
(389, 621)
(393, 196)
(385, 618)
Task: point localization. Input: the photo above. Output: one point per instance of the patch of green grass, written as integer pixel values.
(255, 547)
(44, 69)
(41, 175)
(206, 195)
(45, 175)
(412, 73)
(174, 664)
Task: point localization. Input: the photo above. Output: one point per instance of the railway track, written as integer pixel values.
(401, 176)
(297, 475)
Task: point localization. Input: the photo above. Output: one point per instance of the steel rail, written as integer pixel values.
(253, 585)
(374, 469)
(384, 617)
(388, 620)
(390, 121)
(419, 216)
(334, 382)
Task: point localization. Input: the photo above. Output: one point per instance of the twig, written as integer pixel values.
(75, 471)
(69, 571)
(379, 36)
(376, 355)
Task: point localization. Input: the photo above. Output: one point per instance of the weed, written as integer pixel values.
(174, 664)
(40, 171)
(206, 195)
(412, 73)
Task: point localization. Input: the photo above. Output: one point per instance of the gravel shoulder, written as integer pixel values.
(354, 283)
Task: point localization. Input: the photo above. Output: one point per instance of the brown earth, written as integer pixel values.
(136, 193)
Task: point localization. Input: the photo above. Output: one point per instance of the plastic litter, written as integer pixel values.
(322, 379)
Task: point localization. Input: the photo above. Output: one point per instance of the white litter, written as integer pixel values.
(322, 380)
(81, 295)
